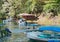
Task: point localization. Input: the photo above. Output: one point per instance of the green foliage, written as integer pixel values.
(27, 6)
(3, 11)
(14, 7)
(33, 6)
(1, 2)
(52, 4)
(1, 21)
(30, 4)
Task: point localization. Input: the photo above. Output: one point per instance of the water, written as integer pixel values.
(18, 34)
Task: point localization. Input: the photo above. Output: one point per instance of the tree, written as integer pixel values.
(14, 7)
(1, 2)
(34, 6)
(52, 6)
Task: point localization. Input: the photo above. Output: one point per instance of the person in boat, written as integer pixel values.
(22, 22)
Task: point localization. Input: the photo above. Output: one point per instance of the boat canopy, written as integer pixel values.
(50, 28)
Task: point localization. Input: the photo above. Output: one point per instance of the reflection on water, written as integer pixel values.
(18, 34)
(15, 37)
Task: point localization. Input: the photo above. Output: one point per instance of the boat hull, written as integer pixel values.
(35, 37)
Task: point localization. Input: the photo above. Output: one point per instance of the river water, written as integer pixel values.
(17, 35)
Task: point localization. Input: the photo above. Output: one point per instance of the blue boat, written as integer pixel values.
(51, 34)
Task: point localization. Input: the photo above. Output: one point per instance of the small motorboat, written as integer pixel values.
(45, 34)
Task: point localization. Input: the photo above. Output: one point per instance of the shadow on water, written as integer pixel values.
(9, 35)
(32, 40)
(4, 38)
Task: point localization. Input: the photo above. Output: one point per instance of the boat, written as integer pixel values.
(28, 16)
(41, 36)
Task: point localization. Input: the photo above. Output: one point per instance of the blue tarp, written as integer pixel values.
(50, 28)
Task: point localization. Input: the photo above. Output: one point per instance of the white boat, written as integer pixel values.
(41, 37)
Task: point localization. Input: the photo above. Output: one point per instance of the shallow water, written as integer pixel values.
(18, 34)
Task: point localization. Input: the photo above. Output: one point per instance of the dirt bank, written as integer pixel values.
(49, 21)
